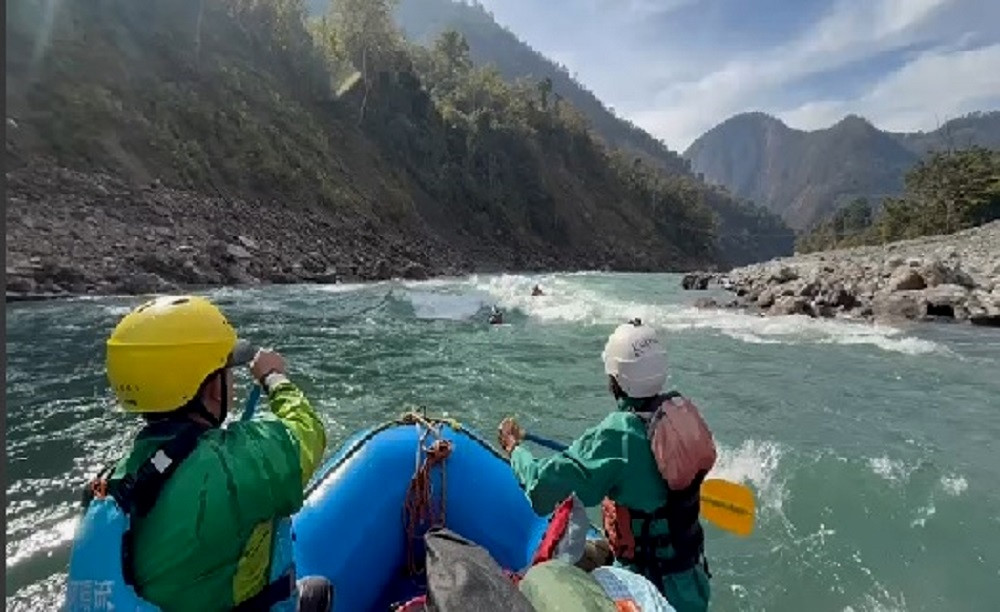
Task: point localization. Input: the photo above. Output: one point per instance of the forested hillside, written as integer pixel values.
(948, 192)
(745, 231)
(246, 99)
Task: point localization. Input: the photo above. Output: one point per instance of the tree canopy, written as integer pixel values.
(944, 193)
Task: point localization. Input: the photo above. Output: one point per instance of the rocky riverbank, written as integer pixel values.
(73, 233)
(952, 277)
(76, 233)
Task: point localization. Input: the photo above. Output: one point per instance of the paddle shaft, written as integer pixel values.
(251, 404)
(556, 446)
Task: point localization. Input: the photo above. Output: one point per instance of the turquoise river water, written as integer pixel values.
(873, 451)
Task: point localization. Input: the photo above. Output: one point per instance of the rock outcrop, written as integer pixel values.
(951, 277)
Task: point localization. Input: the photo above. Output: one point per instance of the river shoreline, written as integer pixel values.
(944, 278)
(73, 234)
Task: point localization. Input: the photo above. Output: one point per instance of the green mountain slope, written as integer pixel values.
(745, 231)
(239, 97)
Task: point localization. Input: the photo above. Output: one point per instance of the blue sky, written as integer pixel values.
(679, 67)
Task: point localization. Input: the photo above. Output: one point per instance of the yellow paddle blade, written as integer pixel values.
(729, 505)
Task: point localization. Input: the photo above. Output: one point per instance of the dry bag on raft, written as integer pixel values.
(680, 440)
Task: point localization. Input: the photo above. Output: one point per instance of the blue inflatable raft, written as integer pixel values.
(353, 527)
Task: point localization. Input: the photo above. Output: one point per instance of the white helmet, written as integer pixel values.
(635, 357)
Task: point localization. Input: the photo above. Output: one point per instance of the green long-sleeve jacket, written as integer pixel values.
(206, 543)
(611, 459)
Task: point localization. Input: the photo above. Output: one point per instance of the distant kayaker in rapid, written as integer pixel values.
(536, 291)
(209, 507)
(496, 316)
(648, 476)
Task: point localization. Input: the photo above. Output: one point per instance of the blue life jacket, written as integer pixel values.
(100, 563)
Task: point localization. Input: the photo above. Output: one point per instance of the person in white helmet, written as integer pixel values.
(644, 463)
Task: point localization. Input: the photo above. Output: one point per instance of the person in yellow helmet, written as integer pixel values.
(196, 516)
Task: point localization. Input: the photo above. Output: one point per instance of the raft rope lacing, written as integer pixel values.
(418, 507)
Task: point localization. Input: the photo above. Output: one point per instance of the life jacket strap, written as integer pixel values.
(137, 494)
(275, 592)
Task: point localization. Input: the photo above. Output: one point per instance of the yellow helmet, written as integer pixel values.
(160, 353)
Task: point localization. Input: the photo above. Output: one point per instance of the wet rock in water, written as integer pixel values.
(706, 303)
(766, 298)
(381, 270)
(414, 271)
(821, 311)
(697, 281)
(328, 276)
(790, 305)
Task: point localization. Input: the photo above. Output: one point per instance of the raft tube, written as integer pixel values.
(352, 530)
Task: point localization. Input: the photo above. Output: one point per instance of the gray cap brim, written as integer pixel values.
(243, 353)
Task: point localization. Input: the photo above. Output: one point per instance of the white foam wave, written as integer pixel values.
(567, 300)
(42, 540)
(117, 311)
(954, 485)
(430, 305)
(893, 470)
(795, 329)
(881, 601)
(343, 287)
(923, 514)
(754, 463)
(564, 300)
(431, 282)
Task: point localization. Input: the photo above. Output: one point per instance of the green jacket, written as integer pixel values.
(206, 543)
(613, 460)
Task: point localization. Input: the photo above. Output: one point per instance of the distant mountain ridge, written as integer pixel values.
(807, 176)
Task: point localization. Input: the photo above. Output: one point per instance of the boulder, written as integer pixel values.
(905, 304)
(381, 270)
(706, 303)
(936, 273)
(414, 271)
(21, 284)
(247, 242)
(840, 297)
(947, 301)
(766, 297)
(144, 282)
(986, 309)
(790, 305)
(906, 279)
(783, 274)
(696, 281)
(237, 251)
(821, 311)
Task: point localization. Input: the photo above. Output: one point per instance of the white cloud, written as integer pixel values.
(849, 32)
(641, 8)
(676, 92)
(936, 86)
